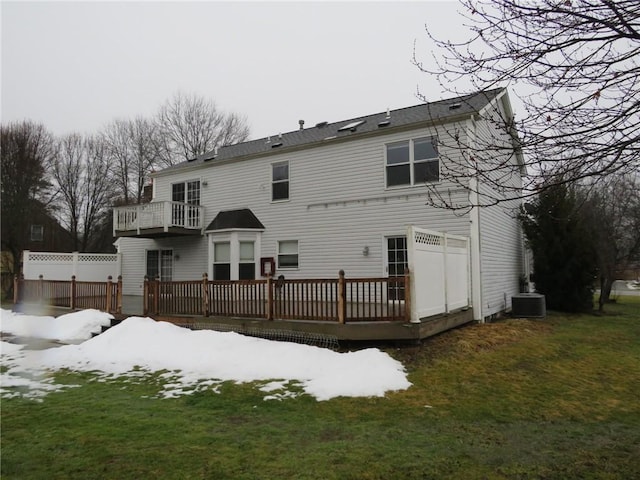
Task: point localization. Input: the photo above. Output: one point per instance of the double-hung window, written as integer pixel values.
(222, 261)
(412, 162)
(280, 181)
(247, 264)
(288, 254)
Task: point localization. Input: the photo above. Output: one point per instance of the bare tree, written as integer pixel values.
(98, 193)
(26, 149)
(81, 176)
(614, 212)
(190, 125)
(132, 151)
(574, 65)
(67, 172)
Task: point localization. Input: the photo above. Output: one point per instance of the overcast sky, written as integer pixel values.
(76, 66)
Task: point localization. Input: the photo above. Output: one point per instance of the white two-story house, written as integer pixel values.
(332, 196)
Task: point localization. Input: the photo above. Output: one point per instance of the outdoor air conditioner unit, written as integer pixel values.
(531, 305)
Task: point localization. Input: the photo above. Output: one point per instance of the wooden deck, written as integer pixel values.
(356, 331)
(340, 309)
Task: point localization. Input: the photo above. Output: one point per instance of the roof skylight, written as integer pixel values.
(351, 126)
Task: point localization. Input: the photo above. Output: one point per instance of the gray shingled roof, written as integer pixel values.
(434, 111)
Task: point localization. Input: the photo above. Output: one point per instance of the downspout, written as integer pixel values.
(476, 274)
(475, 238)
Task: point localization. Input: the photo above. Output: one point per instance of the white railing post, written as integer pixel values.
(168, 214)
(138, 211)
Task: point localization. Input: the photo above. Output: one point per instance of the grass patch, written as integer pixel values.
(516, 399)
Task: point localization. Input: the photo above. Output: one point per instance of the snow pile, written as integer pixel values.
(68, 328)
(193, 360)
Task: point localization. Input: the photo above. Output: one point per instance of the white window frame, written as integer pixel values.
(279, 266)
(288, 181)
(411, 162)
(185, 198)
(234, 237)
(244, 261)
(217, 261)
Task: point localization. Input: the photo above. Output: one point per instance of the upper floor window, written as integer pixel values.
(37, 233)
(280, 181)
(412, 162)
(186, 192)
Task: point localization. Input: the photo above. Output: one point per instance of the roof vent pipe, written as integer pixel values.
(388, 113)
(301, 122)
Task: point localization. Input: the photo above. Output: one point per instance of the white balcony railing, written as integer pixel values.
(157, 215)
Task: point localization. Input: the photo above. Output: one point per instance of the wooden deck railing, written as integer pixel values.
(105, 296)
(339, 299)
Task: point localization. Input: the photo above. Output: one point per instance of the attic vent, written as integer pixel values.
(278, 144)
(322, 124)
(384, 123)
(455, 106)
(351, 126)
(192, 159)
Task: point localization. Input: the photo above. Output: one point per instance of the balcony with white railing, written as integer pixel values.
(157, 219)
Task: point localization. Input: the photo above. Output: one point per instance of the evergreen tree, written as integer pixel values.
(557, 230)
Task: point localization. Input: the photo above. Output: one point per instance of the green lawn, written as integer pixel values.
(517, 399)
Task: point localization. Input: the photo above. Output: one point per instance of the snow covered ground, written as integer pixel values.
(189, 361)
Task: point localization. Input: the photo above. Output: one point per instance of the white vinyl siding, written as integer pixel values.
(501, 261)
(338, 204)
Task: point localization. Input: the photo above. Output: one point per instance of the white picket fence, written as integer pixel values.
(86, 267)
(440, 270)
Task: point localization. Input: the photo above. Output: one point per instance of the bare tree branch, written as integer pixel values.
(189, 125)
(574, 65)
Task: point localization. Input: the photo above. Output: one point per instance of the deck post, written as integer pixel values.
(16, 289)
(73, 292)
(145, 296)
(407, 295)
(119, 295)
(156, 295)
(342, 304)
(109, 293)
(269, 298)
(40, 287)
(205, 295)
